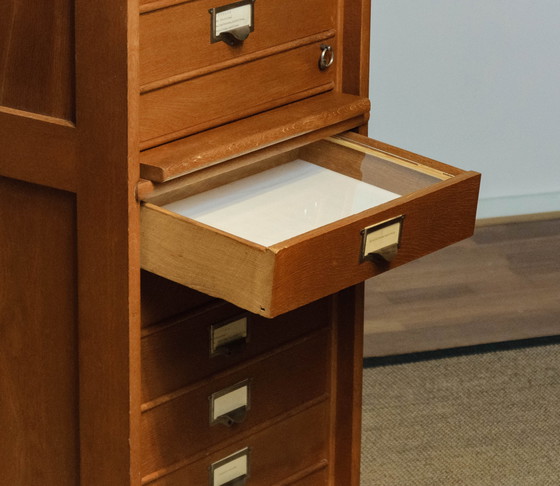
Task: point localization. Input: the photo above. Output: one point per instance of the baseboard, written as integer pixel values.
(379, 361)
(529, 204)
(518, 218)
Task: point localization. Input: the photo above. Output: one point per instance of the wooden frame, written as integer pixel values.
(70, 159)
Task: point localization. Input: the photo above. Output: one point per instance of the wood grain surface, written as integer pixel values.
(226, 95)
(38, 337)
(202, 150)
(176, 40)
(37, 57)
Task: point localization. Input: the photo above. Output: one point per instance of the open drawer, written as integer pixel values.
(292, 228)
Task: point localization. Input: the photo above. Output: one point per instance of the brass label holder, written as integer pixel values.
(381, 241)
(232, 23)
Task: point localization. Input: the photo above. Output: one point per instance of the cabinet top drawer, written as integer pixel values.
(307, 223)
(177, 39)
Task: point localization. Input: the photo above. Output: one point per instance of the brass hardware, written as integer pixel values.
(233, 470)
(238, 18)
(327, 57)
(235, 37)
(229, 337)
(230, 406)
(236, 416)
(380, 242)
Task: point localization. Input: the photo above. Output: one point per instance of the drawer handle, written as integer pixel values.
(236, 37)
(381, 241)
(233, 347)
(231, 405)
(327, 57)
(240, 481)
(232, 470)
(236, 416)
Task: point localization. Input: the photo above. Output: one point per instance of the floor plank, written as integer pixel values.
(502, 284)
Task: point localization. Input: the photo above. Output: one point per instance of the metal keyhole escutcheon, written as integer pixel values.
(327, 57)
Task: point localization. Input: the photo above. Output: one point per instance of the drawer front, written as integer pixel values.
(176, 40)
(275, 454)
(178, 428)
(316, 478)
(434, 205)
(177, 354)
(202, 102)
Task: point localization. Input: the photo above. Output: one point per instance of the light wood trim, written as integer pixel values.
(238, 168)
(170, 241)
(179, 78)
(401, 153)
(108, 234)
(410, 164)
(187, 155)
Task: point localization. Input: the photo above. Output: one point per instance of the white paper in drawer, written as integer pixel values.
(282, 202)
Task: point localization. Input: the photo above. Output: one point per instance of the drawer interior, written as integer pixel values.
(285, 230)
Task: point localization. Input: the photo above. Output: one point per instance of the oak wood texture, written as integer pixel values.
(305, 117)
(68, 121)
(37, 57)
(176, 426)
(38, 337)
(37, 93)
(24, 135)
(243, 90)
(267, 445)
(275, 279)
(175, 40)
(176, 352)
(108, 245)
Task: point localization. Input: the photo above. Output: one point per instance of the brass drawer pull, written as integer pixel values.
(236, 37)
(230, 406)
(327, 57)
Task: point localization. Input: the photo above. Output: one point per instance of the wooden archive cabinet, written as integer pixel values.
(188, 208)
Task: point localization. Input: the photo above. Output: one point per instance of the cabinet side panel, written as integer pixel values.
(38, 338)
(36, 57)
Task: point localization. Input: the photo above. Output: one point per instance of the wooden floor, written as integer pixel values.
(502, 284)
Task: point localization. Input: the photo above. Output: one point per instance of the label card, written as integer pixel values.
(229, 400)
(230, 468)
(226, 333)
(382, 239)
(230, 17)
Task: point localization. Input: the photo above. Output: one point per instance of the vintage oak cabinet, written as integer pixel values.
(142, 343)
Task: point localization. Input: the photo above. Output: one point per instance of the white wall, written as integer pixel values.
(474, 83)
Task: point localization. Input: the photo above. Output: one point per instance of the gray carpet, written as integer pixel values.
(489, 419)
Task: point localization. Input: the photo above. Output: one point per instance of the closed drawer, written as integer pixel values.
(182, 424)
(277, 453)
(201, 102)
(177, 39)
(216, 243)
(178, 353)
